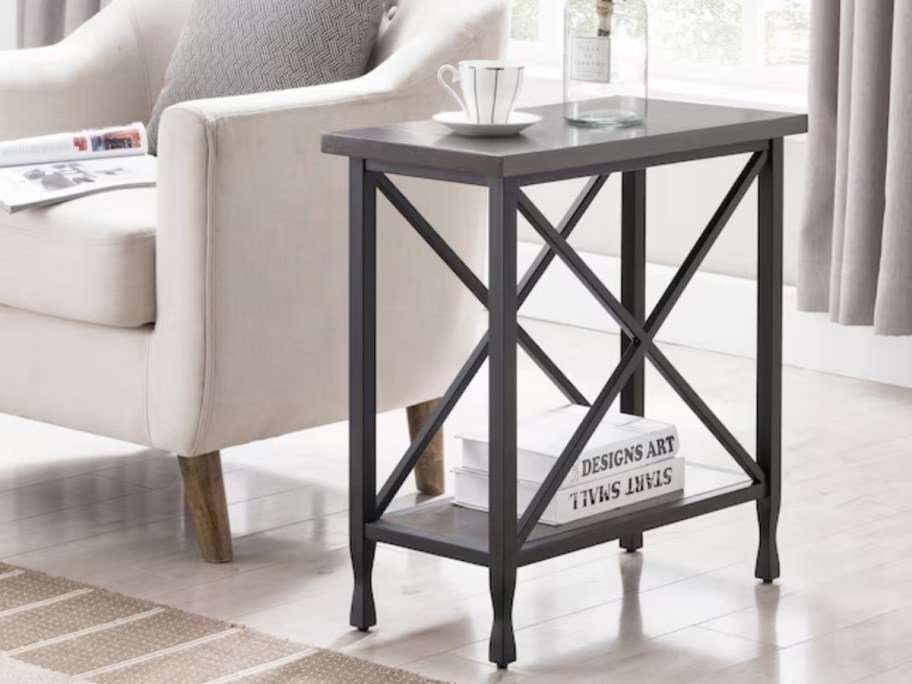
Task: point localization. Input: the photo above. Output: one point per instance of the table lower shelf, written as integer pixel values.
(444, 529)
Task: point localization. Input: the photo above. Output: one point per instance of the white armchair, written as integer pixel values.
(212, 310)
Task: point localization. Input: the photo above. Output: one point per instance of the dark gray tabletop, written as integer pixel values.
(672, 128)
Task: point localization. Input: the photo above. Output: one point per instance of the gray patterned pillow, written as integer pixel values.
(237, 47)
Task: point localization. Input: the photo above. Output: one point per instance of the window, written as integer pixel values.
(734, 49)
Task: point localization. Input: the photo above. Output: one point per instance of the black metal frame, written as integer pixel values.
(513, 541)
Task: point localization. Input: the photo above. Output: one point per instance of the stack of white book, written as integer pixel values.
(627, 460)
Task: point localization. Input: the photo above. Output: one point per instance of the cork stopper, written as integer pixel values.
(605, 8)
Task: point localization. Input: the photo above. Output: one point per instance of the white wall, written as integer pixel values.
(681, 199)
(8, 24)
(717, 313)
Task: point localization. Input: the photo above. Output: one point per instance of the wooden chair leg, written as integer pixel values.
(429, 473)
(204, 489)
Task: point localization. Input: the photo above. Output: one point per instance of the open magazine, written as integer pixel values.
(55, 168)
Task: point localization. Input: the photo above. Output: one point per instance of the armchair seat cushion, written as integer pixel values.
(90, 259)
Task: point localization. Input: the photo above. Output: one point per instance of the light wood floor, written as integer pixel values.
(685, 609)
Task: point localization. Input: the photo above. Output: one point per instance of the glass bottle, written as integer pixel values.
(605, 62)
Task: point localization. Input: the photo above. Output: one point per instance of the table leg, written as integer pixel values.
(502, 533)
(633, 296)
(769, 356)
(362, 388)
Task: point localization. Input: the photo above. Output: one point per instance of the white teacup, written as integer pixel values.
(489, 87)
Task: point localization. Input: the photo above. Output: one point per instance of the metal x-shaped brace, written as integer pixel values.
(642, 339)
(480, 353)
(642, 336)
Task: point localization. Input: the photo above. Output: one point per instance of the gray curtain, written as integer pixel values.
(855, 258)
(45, 22)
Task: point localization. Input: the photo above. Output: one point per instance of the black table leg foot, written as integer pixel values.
(502, 646)
(363, 611)
(768, 553)
(502, 649)
(632, 542)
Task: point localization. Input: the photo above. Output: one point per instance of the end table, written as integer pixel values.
(505, 539)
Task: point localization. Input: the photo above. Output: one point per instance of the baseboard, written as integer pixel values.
(717, 313)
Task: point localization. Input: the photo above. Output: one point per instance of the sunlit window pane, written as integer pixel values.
(787, 31)
(525, 20)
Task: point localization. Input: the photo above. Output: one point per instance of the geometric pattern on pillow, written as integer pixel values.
(238, 47)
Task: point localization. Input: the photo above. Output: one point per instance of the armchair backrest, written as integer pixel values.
(407, 21)
(112, 68)
(158, 24)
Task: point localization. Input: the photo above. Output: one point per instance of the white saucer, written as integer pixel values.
(456, 121)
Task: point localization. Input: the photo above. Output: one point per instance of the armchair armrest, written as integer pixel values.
(252, 272)
(95, 77)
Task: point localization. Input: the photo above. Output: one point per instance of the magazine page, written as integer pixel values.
(98, 143)
(44, 184)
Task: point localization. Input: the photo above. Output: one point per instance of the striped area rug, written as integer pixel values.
(53, 630)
